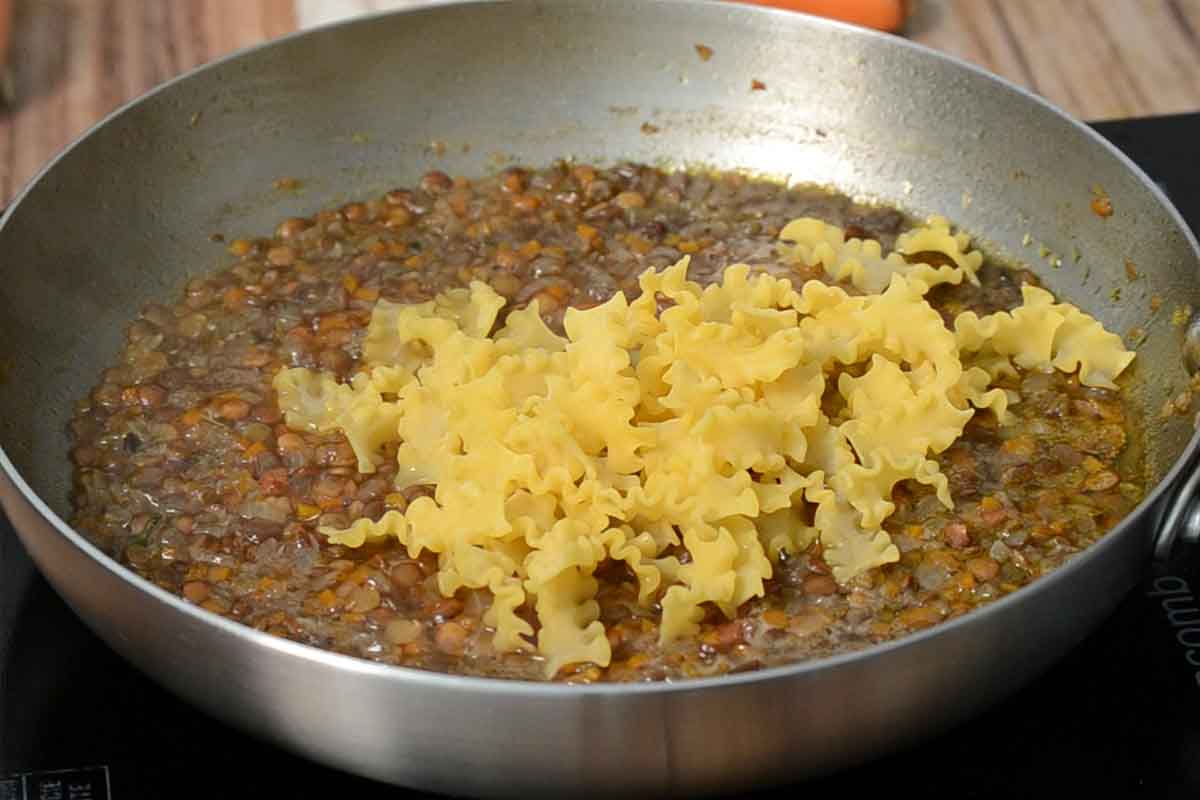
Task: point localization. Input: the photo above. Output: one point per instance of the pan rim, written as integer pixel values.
(518, 688)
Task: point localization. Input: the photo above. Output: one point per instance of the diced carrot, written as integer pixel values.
(775, 618)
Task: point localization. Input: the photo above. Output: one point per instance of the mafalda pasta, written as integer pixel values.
(682, 433)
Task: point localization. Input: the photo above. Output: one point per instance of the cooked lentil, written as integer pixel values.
(186, 473)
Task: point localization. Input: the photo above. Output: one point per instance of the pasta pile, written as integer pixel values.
(698, 428)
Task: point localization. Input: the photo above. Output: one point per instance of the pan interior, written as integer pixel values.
(126, 216)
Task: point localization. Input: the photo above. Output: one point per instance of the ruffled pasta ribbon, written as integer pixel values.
(643, 433)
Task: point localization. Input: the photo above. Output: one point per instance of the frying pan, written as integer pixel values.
(126, 213)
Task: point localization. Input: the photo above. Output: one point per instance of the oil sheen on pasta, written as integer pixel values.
(720, 466)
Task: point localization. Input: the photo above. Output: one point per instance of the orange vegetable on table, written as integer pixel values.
(884, 15)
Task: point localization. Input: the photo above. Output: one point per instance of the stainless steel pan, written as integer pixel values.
(125, 214)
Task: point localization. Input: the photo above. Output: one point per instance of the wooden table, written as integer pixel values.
(75, 60)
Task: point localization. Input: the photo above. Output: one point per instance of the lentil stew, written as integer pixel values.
(186, 473)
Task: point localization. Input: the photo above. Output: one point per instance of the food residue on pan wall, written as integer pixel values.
(1181, 315)
(704, 51)
(1049, 256)
(1180, 405)
(1101, 203)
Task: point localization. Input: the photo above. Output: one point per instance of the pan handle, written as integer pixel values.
(1180, 523)
(1181, 520)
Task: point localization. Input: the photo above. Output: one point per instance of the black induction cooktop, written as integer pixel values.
(1118, 717)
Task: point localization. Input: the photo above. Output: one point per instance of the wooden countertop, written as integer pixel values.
(75, 60)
